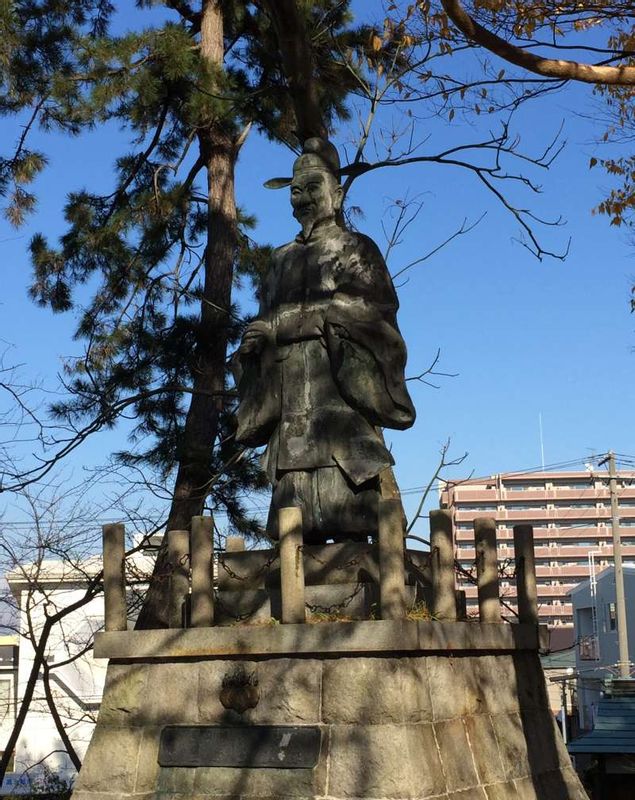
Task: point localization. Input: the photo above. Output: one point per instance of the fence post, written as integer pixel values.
(178, 559)
(526, 591)
(115, 614)
(291, 565)
(442, 565)
(392, 574)
(202, 562)
(487, 569)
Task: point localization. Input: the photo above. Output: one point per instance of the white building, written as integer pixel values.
(595, 625)
(42, 592)
(8, 684)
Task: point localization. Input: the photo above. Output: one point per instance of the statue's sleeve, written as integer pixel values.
(257, 376)
(367, 352)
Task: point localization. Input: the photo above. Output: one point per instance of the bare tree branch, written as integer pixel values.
(547, 67)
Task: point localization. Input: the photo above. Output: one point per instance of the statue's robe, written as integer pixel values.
(330, 374)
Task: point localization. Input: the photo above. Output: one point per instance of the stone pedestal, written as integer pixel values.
(404, 708)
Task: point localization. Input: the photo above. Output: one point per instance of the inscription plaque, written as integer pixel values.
(261, 746)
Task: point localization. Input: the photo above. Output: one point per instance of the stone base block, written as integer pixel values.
(469, 726)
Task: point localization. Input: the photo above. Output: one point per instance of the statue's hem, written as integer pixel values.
(344, 638)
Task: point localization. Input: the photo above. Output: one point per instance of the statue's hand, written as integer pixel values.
(255, 339)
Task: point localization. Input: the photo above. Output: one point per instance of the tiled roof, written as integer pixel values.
(614, 730)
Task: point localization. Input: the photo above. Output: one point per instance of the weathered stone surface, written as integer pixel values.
(455, 689)
(374, 691)
(442, 564)
(542, 739)
(511, 744)
(499, 696)
(79, 794)
(484, 747)
(343, 638)
(456, 756)
(124, 693)
(502, 791)
(147, 764)
(215, 781)
(117, 747)
(530, 683)
(176, 780)
(291, 565)
(476, 793)
(356, 600)
(254, 605)
(289, 691)
(324, 565)
(172, 693)
(389, 761)
(396, 726)
(528, 788)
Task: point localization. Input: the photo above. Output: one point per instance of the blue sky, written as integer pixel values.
(524, 337)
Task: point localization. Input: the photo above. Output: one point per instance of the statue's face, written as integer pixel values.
(315, 196)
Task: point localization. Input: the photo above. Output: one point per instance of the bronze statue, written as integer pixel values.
(321, 369)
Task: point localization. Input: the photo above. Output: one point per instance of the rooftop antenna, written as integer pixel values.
(542, 444)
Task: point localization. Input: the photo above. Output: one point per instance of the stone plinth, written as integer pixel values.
(405, 709)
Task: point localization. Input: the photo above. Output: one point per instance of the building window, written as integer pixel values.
(11, 764)
(611, 616)
(6, 699)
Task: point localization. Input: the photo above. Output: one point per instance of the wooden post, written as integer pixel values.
(291, 565)
(442, 564)
(392, 574)
(202, 562)
(487, 569)
(526, 591)
(178, 559)
(115, 615)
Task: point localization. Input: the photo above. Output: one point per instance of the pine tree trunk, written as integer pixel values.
(201, 426)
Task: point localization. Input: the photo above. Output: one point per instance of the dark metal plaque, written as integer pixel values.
(268, 746)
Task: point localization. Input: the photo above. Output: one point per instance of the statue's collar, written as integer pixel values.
(321, 230)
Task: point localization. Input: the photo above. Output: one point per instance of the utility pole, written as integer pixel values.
(563, 710)
(624, 664)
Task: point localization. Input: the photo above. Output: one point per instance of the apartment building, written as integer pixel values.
(571, 516)
(597, 651)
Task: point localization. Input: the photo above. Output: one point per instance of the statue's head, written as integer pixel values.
(316, 193)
